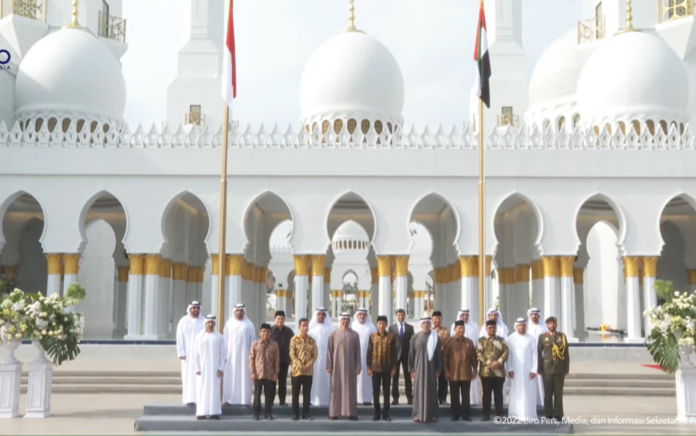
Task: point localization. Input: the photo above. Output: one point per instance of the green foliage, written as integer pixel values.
(663, 289)
(76, 291)
(664, 350)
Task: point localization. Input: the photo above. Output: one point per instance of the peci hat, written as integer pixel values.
(382, 318)
(437, 313)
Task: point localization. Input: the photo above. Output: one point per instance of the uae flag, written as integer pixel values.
(229, 72)
(483, 60)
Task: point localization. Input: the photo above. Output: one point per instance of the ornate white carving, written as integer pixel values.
(10, 379)
(40, 382)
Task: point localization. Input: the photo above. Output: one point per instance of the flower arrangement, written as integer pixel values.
(674, 327)
(48, 319)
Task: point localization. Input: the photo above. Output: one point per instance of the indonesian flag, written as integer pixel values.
(229, 71)
(483, 60)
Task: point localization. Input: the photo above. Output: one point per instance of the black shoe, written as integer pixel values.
(333, 418)
(486, 418)
(200, 417)
(269, 417)
(367, 404)
(215, 417)
(376, 417)
(191, 404)
(283, 404)
(395, 403)
(307, 418)
(256, 418)
(353, 418)
(455, 418)
(295, 418)
(386, 417)
(466, 419)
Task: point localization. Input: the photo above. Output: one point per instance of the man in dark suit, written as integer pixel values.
(403, 332)
(554, 365)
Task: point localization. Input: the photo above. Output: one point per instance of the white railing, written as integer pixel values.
(508, 138)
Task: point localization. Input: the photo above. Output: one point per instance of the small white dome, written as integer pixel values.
(556, 73)
(70, 72)
(633, 76)
(350, 231)
(352, 75)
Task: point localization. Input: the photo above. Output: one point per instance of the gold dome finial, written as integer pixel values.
(629, 15)
(351, 16)
(74, 23)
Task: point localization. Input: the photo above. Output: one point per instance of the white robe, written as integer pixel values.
(522, 360)
(471, 332)
(210, 355)
(364, 380)
(321, 382)
(186, 332)
(237, 385)
(534, 330)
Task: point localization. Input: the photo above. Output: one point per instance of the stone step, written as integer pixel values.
(606, 383)
(322, 425)
(622, 392)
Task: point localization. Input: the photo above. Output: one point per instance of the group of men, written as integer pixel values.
(354, 364)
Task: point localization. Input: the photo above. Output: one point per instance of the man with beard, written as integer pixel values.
(521, 367)
(364, 328)
(209, 362)
(320, 329)
(282, 335)
(403, 332)
(186, 331)
(554, 366)
(471, 331)
(425, 366)
(239, 335)
(536, 328)
(343, 364)
(444, 335)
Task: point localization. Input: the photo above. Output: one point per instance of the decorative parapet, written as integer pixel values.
(671, 10)
(112, 27)
(525, 137)
(34, 9)
(590, 30)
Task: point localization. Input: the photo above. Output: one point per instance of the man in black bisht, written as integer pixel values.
(282, 335)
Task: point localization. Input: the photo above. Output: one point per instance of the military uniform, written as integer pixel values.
(554, 364)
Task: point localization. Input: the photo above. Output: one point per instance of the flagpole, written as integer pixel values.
(481, 216)
(223, 221)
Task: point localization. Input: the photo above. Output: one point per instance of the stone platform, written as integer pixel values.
(180, 418)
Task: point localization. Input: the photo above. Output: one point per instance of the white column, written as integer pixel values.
(522, 276)
(301, 283)
(488, 291)
(568, 297)
(649, 294)
(191, 275)
(537, 284)
(135, 296)
(469, 287)
(70, 268)
(633, 315)
(167, 322)
(55, 269)
(579, 279)
(400, 284)
(40, 380)
(10, 380)
(385, 291)
(121, 302)
(374, 292)
(151, 313)
(338, 302)
(503, 275)
(327, 287)
(235, 265)
(552, 287)
(179, 303)
(318, 263)
(249, 292)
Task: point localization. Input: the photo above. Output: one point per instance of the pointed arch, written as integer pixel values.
(9, 201)
(688, 199)
(618, 212)
(535, 210)
(184, 197)
(354, 197)
(268, 202)
(87, 206)
(433, 201)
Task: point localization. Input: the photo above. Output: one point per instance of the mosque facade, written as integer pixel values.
(590, 189)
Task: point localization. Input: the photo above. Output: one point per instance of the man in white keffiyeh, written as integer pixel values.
(320, 328)
(186, 331)
(363, 326)
(425, 366)
(501, 328)
(536, 328)
(239, 334)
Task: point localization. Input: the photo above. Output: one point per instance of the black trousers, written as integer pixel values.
(383, 380)
(460, 390)
(305, 383)
(442, 387)
(492, 385)
(282, 382)
(269, 395)
(402, 366)
(553, 395)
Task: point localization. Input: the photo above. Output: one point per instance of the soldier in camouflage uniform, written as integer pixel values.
(554, 366)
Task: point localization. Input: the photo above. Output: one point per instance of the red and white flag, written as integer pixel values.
(229, 71)
(483, 59)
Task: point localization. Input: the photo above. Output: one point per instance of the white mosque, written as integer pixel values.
(590, 189)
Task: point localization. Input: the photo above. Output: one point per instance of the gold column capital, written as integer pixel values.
(537, 270)
(54, 263)
(632, 266)
(578, 276)
(122, 274)
(551, 266)
(191, 274)
(384, 267)
(179, 270)
(165, 269)
(71, 263)
(522, 273)
(201, 275)
(374, 276)
(152, 262)
(503, 276)
(234, 264)
(301, 264)
(215, 264)
(692, 276)
(318, 262)
(248, 272)
(650, 266)
(262, 274)
(137, 264)
(566, 263)
(401, 266)
(489, 259)
(468, 266)
(455, 272)
(327, 275)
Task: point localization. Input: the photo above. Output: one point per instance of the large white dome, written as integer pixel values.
(351, 75)
(636, 77)
(555, 75)
(70, 73)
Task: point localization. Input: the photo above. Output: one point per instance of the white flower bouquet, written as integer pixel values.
(673, 327)
(50, 320)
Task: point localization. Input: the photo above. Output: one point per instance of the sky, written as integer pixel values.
(432, 40)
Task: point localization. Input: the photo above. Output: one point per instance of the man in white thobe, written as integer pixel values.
(536, 328)
(521, 367)
(209, 360)
(186, 331)
(470, 331)
(364, 327)
(320, 329)
(239, 334)
(501, 329)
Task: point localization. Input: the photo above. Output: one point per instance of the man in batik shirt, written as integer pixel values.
(303, 354)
